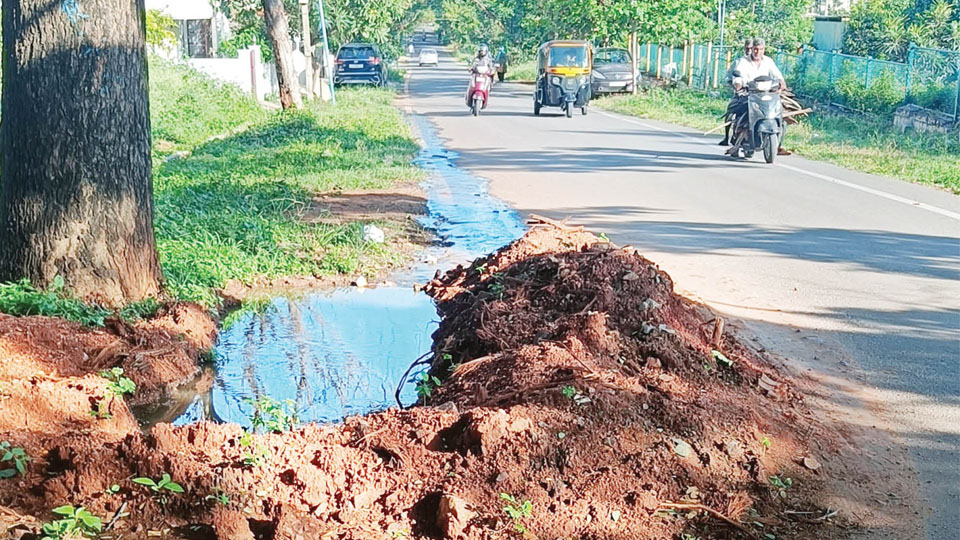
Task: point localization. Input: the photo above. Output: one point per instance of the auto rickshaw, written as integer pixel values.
(563, 76)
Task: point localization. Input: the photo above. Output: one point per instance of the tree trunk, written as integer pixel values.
(278, 29)
(76, 198)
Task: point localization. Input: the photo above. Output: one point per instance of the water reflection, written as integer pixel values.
(334, 354)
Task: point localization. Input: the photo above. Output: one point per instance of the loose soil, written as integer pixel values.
(573, 377)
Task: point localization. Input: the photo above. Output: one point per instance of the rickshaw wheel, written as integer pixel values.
(536, 107)
(569, 110)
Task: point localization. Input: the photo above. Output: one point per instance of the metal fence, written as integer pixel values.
(928, 78)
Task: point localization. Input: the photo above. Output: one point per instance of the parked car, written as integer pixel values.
(429, 57)
(612, 71)
(360, 63)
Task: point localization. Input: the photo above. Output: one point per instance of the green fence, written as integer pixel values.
(928, 78)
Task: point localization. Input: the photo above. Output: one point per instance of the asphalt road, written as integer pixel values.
(861, 272)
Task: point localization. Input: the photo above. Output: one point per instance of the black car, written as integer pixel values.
(612, 71)
(360, 63)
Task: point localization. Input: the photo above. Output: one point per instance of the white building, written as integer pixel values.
(200, 27)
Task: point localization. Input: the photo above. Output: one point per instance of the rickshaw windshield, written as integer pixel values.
(568, 57)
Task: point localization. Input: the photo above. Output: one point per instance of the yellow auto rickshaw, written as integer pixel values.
(563, 76)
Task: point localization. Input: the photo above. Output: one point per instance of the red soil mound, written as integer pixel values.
(574, 382)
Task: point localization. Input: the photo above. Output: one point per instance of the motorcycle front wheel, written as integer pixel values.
(569, 110)
(475, 108)
(770, 144)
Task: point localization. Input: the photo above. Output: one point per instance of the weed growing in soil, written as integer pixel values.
(113, 489)
(118, 387)
(426, 385)
(15, 455)
(219, 496)
(76, 522)
(575, 395)
(781, 483)
(160, 488)
(517, 511)
(271, 415)
(253, 455)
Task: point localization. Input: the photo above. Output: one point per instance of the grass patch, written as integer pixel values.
(862, 143)
(188, 108)
(21, 298)
(522, 72)
(233, 209)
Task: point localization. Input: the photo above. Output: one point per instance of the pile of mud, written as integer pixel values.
(579, 398)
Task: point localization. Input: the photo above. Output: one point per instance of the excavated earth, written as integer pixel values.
(572, 377)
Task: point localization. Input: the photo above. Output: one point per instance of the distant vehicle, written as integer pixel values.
(360, 63)
(612, 71)
(429, 57)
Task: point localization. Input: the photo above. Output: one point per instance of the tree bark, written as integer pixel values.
(278, 29)
(76, 197)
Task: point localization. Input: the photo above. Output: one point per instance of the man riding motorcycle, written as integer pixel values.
(748, 69)
(482, 64)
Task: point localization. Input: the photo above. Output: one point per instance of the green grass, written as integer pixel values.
(188, 108)
(21, 299)
(522, 72)
(233, 209)
(860, 143)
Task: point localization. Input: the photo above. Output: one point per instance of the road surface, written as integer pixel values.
(856, 275)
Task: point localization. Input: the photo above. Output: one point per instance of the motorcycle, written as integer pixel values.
(759, 125)
(478, 93)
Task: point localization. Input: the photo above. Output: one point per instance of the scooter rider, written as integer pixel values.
(734, 100)
(482, 59)
(758, 65)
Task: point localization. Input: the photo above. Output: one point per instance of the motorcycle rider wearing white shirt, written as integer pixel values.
(759, 65)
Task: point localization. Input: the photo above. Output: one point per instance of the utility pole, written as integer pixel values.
(307, 45)
(722, 19)
(326, 52)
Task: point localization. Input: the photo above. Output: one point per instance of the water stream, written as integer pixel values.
(342, 352)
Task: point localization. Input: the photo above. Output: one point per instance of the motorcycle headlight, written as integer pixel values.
(555, 80)
(598, 75)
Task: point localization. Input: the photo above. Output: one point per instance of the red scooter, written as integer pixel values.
(478, 93)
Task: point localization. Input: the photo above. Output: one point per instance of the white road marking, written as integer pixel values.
(844, 183)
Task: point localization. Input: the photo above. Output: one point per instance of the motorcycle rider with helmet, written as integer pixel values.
(482, 63)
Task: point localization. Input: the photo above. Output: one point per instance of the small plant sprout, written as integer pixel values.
(765, 442)
(273, 416)
(426, 385)
(518, 511)
(219, 496)
(253, 455)
(15, 456)
(113, 489)
(575, 395)
(74, 523)
(118, 387)
(782, 484)
(604, 237)
(160, 488)
(482, 269)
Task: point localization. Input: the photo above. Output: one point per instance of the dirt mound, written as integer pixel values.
(579, 398)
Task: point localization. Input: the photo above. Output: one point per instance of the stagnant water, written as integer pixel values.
(343, 352)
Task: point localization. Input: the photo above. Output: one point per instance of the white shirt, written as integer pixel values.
(750, 70)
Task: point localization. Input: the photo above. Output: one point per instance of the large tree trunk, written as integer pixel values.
(76, 198)
(278, 29)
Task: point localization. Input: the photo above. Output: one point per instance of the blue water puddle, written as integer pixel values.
(343, 352)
